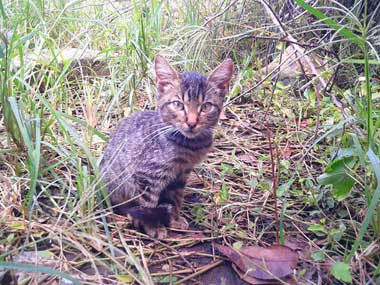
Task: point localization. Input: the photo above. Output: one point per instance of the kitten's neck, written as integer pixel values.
(202, 141)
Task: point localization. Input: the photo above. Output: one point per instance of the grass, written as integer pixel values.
(58, 112)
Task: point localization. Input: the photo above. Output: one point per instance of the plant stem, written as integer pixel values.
(369, 99)
(370, 131)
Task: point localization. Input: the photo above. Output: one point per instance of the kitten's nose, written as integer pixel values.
(192, 119)
(191, 124)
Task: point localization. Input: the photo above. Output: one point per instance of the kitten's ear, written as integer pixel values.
(221, 75)
(165, 74)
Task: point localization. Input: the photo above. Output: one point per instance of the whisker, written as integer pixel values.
(120, 147)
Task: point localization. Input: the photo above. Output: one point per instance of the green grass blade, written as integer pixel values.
(84, 124)
(21, 123)
(2, 11)
(321, 16)
(38, 269)
(33, 147)
(372, 205)
(360, 61)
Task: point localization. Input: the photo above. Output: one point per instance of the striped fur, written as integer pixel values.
(151, 154)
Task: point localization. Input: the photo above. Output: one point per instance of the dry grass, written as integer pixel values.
(228, 199)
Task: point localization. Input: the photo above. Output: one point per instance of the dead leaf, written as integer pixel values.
(286, 152)
(97, 244)
(222, 116)
(303, 123)
(5, 182)
(119, 218)
(247, 158)
(194, 180)
(255, 281)
(276, 261)
(301, 246)
(294, 63)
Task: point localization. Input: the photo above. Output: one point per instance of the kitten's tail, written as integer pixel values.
(159, 216)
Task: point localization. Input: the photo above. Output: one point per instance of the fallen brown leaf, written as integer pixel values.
(247, 158)
(303, 123)
(286, 152)
(194, 180)
(222, 116)
(270, 263)
(256, 281)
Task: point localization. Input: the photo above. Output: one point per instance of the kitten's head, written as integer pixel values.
(191, 102)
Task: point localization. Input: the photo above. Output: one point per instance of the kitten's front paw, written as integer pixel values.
(180, 223)
(159, 233)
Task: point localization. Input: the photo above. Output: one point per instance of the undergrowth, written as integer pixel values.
(71, 71)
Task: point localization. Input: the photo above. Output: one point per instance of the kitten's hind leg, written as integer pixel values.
(179, 223)
(152, 221)
(160, 232)
(173, 195)
(152, 231)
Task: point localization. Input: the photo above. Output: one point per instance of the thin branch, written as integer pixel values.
(276, 21)
(219, 14)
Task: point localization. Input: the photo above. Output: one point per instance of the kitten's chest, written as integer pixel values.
(188, 159)
(188, 152)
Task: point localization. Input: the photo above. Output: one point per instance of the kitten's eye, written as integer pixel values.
(206, 107)
(178, 105)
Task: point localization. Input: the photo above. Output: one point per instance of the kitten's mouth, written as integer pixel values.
(190, 133)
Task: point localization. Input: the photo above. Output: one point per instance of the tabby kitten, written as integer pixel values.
(151, 154)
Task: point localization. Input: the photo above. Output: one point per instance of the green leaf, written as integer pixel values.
(168, 279)
(346, 152)
(224, 193)
(371, 206)
(251, 182)
(318, 255)
(235, 91)
(319, 230)
(337, 234)
(342, 30)
(237, 245)
(45, 254)
(125, 278)
(38, 269)
(337, 174)
(17, 226)
(284, 188)
(228, 227)
(341, 271)
(198, 213)
(360, 61)
(227, 169)
(10, 238)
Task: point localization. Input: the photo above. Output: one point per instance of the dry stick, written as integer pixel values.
(202, 270)
(219, 14)
(285, 39)
(270, 74)
(309, 62)
(276, 21)
(335, 100)
(297, 47)
(274, 185)
(274, 178)
(176, 251)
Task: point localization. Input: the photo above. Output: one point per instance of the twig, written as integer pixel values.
(202, 270)
(285, 39)
(341, 107)
(276, 21)
(273, 162)
(219, 14)
(177, 252)
(274, 184)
